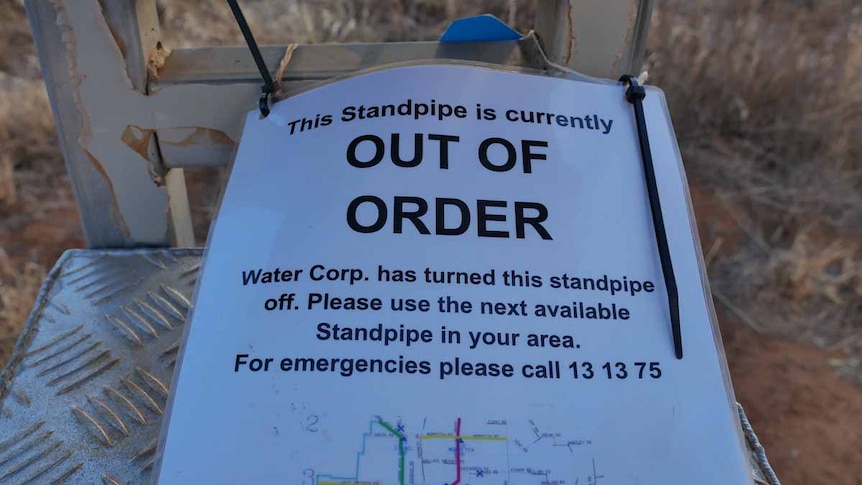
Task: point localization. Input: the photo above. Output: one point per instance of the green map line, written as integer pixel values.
(401, 451)
(325, 479)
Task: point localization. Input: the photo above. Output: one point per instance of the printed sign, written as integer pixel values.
(448, 275)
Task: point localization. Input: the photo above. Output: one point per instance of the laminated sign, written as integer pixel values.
(449, 275)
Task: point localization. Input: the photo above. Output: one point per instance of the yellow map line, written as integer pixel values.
(466, 438)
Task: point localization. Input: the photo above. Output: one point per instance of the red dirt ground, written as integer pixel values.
(808, 419)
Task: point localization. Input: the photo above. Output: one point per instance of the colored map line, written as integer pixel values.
(441, 436)
(401, 450)
(354, 480)
(457, 452)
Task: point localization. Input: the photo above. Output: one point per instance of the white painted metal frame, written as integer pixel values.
(601, 38)
(130, 115)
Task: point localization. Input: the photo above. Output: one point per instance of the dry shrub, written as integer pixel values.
(26, 134)
(767, 100)
(28, 141)
(32, 174)
(8, 193)
(18, 290)
(16, 45)
(17, 62)
(16, 55)
(812, 291)
(831, 270)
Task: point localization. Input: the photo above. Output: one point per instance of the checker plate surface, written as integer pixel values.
(82, 398)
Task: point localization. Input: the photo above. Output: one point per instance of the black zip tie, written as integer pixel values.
(268, 85)
(635, 93)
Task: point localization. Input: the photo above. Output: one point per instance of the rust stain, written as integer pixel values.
(139, 140)
(200, 136)
(570, 39)
(116, 215)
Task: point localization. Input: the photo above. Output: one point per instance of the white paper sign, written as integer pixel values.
(447, 275)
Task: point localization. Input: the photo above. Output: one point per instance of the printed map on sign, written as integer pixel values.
(494, 451)
(448, 275)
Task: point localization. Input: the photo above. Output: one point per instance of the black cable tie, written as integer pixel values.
(269, 86)
(635, 94)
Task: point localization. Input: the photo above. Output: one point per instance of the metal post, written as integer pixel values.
(94, 59)
(601, 38)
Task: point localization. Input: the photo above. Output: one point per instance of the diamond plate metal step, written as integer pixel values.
(81, 400)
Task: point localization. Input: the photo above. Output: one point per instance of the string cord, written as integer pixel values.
(635, 94)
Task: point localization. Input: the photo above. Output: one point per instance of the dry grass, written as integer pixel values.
(18, 290)
(32, 175)
(209, 22)
(27, 134)
(767, 101)
(29, 153)
(767, 97)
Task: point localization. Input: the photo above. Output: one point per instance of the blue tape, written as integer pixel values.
(478, 29)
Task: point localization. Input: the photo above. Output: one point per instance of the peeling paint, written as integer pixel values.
(571, 40)
(139, 140)
(118, 45)
(157, 60)
(107, 105)
(597, 38)
(125, 129)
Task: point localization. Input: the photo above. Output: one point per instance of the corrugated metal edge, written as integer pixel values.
(27, 333)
